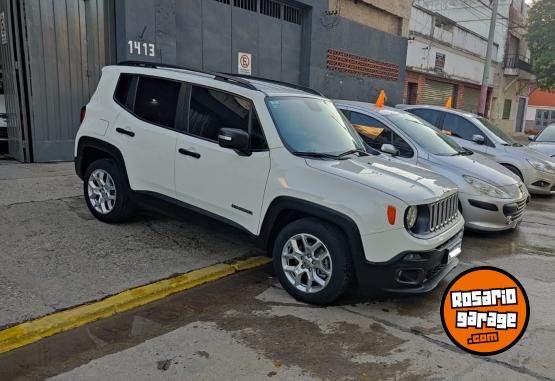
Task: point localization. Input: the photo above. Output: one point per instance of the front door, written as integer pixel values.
(217, 179)
(519, 127)
(463, 132)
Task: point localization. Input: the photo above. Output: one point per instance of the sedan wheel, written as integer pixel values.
(101, 191)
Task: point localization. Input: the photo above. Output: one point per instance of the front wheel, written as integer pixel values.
(312, 261)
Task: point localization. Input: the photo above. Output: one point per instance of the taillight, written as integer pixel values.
(82, 115)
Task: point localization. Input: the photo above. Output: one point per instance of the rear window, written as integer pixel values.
(156, 100)
(122, 90)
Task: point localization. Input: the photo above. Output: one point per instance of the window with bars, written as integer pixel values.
(293, 15)
(249, 5)
(270, 8)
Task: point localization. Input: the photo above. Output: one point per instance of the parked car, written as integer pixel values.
(279, 162)
(478, 134)
(544, 142)
(491, 197)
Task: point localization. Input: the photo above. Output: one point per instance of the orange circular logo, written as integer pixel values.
(485, 310)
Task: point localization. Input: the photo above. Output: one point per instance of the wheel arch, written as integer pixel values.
(90, 149)
(284, 210)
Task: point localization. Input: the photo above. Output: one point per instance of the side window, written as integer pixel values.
(459, 127)
(156, 100)
(373, 132)
(211, 110)
(404, 148)
(430, 116)
(257, 139)
(122, 91)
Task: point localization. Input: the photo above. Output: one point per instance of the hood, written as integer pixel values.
(406, 182)
(546, 148)
(475, 165)
(525, 152)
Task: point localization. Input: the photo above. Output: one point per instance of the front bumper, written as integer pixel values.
(538, 182)
(412, 271)
(490, 214)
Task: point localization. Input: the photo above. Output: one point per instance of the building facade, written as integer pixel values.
(344, 48)
(511, 79)
(540, 112)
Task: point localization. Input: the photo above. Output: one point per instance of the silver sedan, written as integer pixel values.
(544, 142)
(491, 197)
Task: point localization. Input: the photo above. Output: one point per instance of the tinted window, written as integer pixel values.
(430, 116)
(404, 148)
(373, 132)
(156, 100)
(212, 110)
(459, 127)
(122, 90)
(496, 130)
(257, 139)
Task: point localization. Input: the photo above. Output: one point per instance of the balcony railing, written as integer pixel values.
(515, 61)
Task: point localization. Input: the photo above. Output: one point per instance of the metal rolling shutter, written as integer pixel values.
(471, 99)
(436, 92)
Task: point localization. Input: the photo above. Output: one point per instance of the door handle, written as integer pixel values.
(125, 132)
(183, 151)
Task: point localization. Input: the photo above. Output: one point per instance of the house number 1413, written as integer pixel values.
(141, 48)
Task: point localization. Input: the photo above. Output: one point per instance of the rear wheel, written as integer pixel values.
(106, 191)
(312, 261)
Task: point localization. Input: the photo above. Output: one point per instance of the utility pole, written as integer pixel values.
(484, 89)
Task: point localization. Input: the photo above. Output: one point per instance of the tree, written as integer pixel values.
(541, 41)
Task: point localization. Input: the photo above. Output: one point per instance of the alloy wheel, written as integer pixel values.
(102, 191)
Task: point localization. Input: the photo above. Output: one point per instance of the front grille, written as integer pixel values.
(443, 212)
(521, 205)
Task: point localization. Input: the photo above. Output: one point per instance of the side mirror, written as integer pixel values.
(236, 139)
(478, 139)
(532, 138)
(390, 149)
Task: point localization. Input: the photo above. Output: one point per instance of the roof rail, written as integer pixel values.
(217, 76)
(274, 81)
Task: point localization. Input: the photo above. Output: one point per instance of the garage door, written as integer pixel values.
(436, 92)
(471, 99)
(215, 31)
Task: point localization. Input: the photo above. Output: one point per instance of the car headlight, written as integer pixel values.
(410, 216)
(541, 166)
(485, 187)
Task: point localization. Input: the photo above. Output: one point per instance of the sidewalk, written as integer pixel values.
(55, 255)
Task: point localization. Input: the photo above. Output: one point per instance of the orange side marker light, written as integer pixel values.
(391, 214)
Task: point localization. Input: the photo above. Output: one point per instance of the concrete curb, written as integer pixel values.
(35, 330)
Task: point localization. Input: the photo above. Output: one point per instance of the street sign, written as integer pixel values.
(244, 63)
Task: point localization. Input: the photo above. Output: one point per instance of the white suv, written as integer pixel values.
(277, 161)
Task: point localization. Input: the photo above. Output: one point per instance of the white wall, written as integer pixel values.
(475, 17)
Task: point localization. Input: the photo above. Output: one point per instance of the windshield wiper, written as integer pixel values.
(317, 155)
(352, 151)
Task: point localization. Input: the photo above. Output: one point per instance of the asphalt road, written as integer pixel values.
(244, 326)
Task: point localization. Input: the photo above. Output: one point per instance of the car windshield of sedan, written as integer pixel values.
(547, 135)
(425, 135)
(313, 126)
(497, 131)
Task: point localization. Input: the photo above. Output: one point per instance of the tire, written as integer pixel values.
(339, 265)
(118, 206)
(514, 170)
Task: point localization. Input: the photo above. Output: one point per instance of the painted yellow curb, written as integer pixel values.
(35, 330)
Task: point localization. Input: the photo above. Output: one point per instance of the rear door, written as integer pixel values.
(429, 115)
(145, 131)
(214, 178)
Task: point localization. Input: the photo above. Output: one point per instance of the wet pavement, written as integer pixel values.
(247, 327)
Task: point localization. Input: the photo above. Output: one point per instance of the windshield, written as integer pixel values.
(497, 131)
(425, 135)
(312, 125)
(547, 135)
